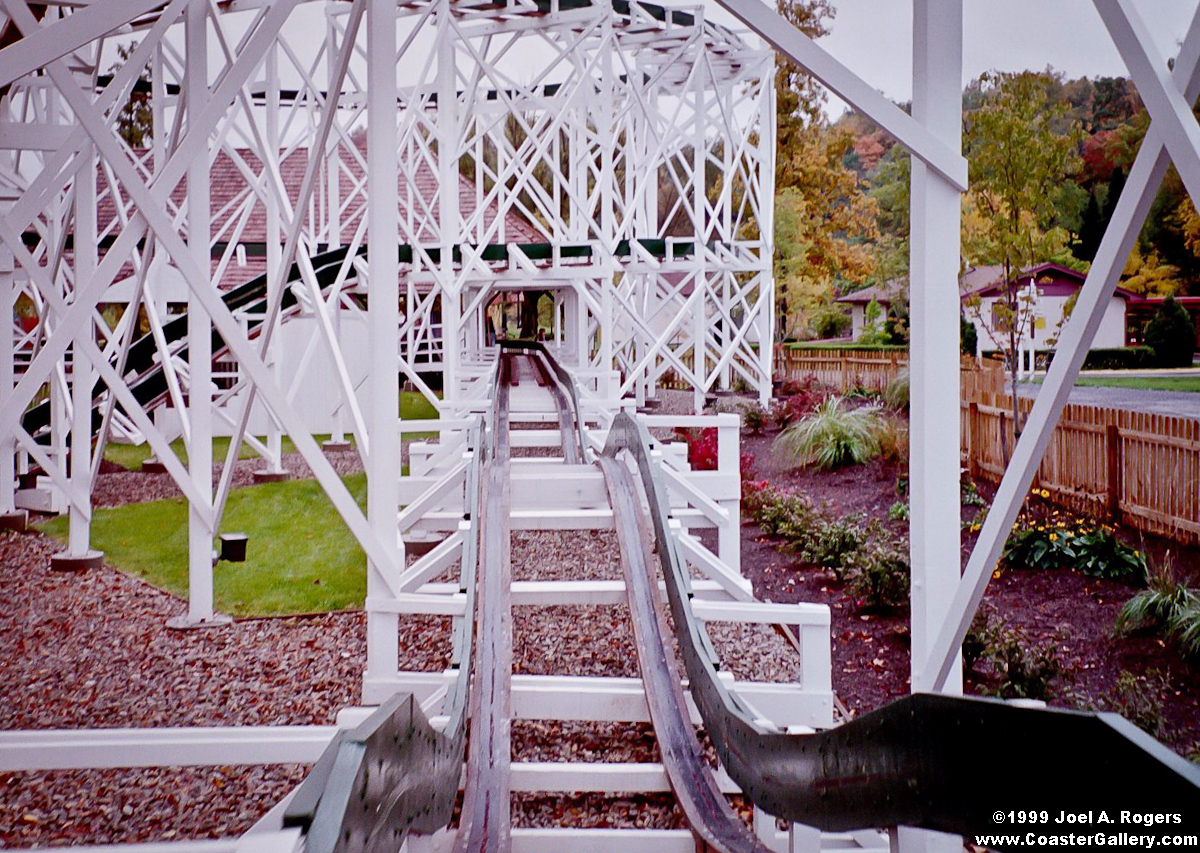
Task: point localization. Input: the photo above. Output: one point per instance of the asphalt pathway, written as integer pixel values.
(1179, 403)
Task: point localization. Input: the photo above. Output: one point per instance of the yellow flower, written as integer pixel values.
(996, 573)
(1053, 537)
(1044, 493)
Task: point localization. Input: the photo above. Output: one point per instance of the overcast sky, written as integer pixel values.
(874, 38)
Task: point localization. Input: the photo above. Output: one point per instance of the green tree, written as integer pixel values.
(968, 336)
(135, 121)
(1021, 147)
(1172, 335)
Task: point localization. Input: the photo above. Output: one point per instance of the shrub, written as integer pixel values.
(702, 447)
(878, 575)
(797, 400)
(969, 494)
(898, 511)
(1025, 672)
(1171, 335)
(833, 436)
(968, 336)
(1185, 629)
(829, 321)
(786, 515)
(896, 393)
(1119, 358)
(1058, 545)
(847, 345)
(893, 441)
(756, 494)
(754, 418)
(1102, 555)
(833, 543)
(978, 638)
(1139, 699)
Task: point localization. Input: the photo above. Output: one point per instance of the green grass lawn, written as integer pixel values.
(300, 556)
(1145, 383)
(413, 406)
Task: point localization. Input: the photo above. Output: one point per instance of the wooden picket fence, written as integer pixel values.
(843, 369)
(1139, 469)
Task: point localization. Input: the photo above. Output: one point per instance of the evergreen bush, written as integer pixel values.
(1172, 335)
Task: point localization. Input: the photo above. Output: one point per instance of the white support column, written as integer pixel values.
(449, 220)
(79, 554)
(200, 532)
(766, 220)
(9, 517)
(273, 470)
(934, 353)
(383, 477)
(333, 201)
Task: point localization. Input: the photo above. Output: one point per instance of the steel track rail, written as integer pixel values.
(485, 824)
(713, 821)
(936, 762)
(566, 399)
(395, 775)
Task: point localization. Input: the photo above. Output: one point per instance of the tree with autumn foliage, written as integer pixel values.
(824, 220)
(1021, 147)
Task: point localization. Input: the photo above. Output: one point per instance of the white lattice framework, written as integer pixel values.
(639, 150)
(634, 143)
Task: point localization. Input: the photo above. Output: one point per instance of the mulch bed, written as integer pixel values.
(92, 650)
(1074, 612)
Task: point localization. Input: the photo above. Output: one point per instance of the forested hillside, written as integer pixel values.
(1048, 160)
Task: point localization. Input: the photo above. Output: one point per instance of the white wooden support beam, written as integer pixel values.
(430, 565)
(603, 777)
(383, 493)
(566, 697)
(739, 587)
(605, 840)
(549, 593)
(441, 492)
(1144, 179)
(199, 332)
(925, 145)
(934, 362)
(72, 749)
(84, 26)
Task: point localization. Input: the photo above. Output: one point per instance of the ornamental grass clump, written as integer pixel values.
(833, 436)
(1167, 607)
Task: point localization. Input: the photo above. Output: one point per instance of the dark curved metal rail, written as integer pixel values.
(714, 823)
(936, 762)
